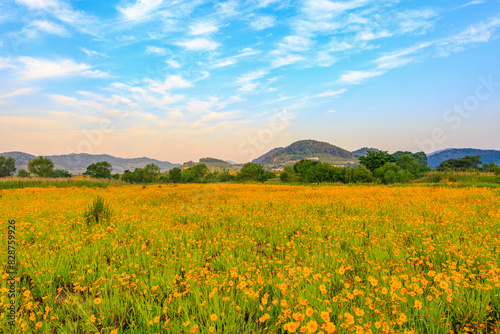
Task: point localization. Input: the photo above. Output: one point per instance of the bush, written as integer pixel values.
(97, 213)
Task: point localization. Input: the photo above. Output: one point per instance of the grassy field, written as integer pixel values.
(39, 182)
(229, 258)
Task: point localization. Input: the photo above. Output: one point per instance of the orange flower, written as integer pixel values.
(213, 317)
(325, 316)
(312, 326)
(309, 311)
(349, 319)
(291, 327)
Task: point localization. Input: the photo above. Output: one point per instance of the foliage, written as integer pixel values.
(7, 166)
(392, 173)
(289, 175)
(253, 172)
(99, 170)
(41, 166)
(98, 213)
(175, 174)
(149, 174)
(225, 176)
(23, 173)
(359, 174)
(462, 164)
(58, 173)
(374, 160)
(57, 183)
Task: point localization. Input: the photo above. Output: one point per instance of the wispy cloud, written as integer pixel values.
(203, 28)
(155, 50)
(471, 3)
(331, 93)
(50, 27)
(287, 60)
(357, 77)
(262, 22)
(477, 33)
(38, 68)
(199, 44)
(17, 92)
(140, 10)
(171, 82)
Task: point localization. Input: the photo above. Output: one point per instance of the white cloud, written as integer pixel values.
(199, 44)
(331, 111)
(262, 22)
(293, 43)
(171, 82)
(477, 33)
(416, 21)
(65, 13)
(155, 50)
(140, 9)
(400, 58)
(17, 92)
(250, 76)
(172, 63)
(224, 63)
(357, 77)
(91, 53)
(228, 8)
(330, 93)
(50, 27)
(202, 28)
(287, 60)
(248, 87)
(36, 68)
(471, 3)
(370, 35)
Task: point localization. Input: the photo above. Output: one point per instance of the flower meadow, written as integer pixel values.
(233, 258)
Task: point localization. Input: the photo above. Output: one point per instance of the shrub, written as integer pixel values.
(97, 213)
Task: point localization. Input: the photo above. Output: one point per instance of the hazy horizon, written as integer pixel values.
(178, 81)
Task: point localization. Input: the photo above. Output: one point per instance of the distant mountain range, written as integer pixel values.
(274, 159)
(436, 158)
(77, 163)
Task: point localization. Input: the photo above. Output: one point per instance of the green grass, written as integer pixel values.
(32, 182)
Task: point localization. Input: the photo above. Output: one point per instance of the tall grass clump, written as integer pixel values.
(98, 213)
(40, 182)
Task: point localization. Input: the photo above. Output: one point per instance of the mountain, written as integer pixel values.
(434, 159)
(302, 149)
(77, 163)
(362, 151)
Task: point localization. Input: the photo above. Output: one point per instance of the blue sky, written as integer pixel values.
(179, 80)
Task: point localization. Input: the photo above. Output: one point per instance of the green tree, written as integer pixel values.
(201, 170)
(307, 170)
(289, 175)
(392, 173)
(41, 166)
(462, 164)
(253, 171)
(225, 176)
(152, 172)
(409, 163)
(7, 166)
(175, 174)
(23, 173)
(100, 170)
(374, 160)
(57, 173)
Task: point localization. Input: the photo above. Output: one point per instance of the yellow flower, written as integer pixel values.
(329, 327)
(211, 329)
(349, 319)
(97, 301)
(417, 305)
(92, 318)
(264, 317)
(194, 329)
(443, 285)
(312, 326)
(213, 317)
(309, 311)
(156, 319)
(38, 324)
(291, 326)
(325, 316)
(185, 324)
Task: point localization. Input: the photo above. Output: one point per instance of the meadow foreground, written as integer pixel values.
(255, 259)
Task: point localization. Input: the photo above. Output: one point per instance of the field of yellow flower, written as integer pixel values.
(255, 259)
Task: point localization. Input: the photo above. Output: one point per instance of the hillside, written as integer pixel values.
(362, 151)
(214, 165)
(77, 163)
(302, 149)
(487, 156)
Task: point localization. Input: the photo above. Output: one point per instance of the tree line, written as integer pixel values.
(379, 166)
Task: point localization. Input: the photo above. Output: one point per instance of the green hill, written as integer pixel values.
(214, 165)
(310, 149)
